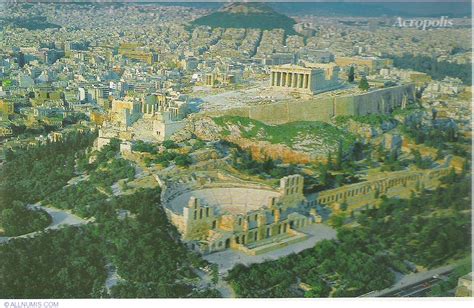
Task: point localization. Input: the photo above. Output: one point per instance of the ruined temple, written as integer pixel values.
(308, 79)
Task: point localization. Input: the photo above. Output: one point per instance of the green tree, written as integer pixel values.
(183, 160)
(215, 273)
(339, 157)
(337, 220)
(66, 263)
(363, 83)
(344, 206)
(323, 174)
(350, 76)
(170, 144)
(18, 219)
(377, 193)
(329, 163)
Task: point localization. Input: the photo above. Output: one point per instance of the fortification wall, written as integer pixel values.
(321, 109)
(379, 101)
(365, 191)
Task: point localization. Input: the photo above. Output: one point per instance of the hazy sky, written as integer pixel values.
(379, 1)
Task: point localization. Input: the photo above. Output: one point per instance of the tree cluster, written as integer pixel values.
(31, 174)
(65, 263)
(18, 219)
(243, 161)
(428, 230)
(431, 66)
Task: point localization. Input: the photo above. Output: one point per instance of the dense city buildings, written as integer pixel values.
(234, 150)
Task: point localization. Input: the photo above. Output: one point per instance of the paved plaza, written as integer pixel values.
(227, 259)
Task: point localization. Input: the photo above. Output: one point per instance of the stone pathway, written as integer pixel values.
(222, 286)
(113, 278)
(77, 179)
(139, 172)
(116, 189)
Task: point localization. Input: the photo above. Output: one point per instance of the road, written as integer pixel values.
(417, 290)
(59, 218)
(412, 284)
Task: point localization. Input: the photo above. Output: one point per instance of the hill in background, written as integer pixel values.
(247, 15)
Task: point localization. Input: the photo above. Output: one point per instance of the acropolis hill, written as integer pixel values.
(234, 149)
(307, 92)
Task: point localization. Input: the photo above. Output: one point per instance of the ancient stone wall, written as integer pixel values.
(379, 101)
(198, 220)
(177, 220)
(366, 191)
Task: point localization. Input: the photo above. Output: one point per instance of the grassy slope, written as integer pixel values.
(286, 133)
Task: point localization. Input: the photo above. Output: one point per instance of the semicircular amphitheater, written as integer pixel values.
(248, 218)
(226, 200)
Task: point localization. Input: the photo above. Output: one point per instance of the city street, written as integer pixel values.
(413, 284)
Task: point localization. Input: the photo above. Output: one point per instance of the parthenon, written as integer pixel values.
(306, 80)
